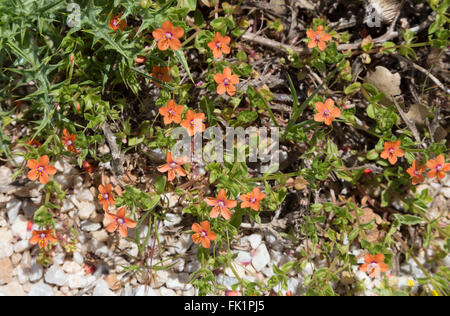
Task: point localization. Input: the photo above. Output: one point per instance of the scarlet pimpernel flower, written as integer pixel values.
(194, 122)
(42, 237)
(203, 234)
(68, 141)
(252, 199)
(40, 169)
(416, 172)
(119, 221)
(173, 167)
(219, 45)
(318, 38)
(172, 112)
(438, 167)
(168, 36)
(326, 112)
(161, 73)
(115, 23)
(392, 151)
(33, 143)
(221, 205)
(105, 196)
(226, 82)
(374, 265)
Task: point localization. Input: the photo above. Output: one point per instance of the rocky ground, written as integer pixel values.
(73, 273)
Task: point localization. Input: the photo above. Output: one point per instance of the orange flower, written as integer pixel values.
(116, 24)
(252, 199)
(168, 35)
(221, 205)
(416, 173)
(42, 237)
(33, 143)
(326, 112)
(140, 59)
(203, 234)
(40, 169)
(87, 167)
(172, 112)
(161, 73)
(231, 293)
(374, 265)
(194, 122)
(438, 167)
(226, 82)
(318, 38)
(69, 141)
(173, 166)
(219, 45)
(392, 151)
(119, 221)
(105, 196)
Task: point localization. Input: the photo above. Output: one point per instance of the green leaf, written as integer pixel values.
(180, 56)
(160, 184)
(353, 88)
(409, 219)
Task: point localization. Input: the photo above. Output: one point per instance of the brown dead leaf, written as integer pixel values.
(418, 113)
(385, 82)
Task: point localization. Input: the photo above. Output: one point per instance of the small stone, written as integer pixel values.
(255, 240)
(143, 290)
(78, 258)
(6, 247)
(55, 275)
(103, 149)
(167, 292)
(261, 258)
(77, 281)
(179, 265)
(22, 276)
(22, 245)
(15, 258)
(12, 289)
(178, 281)
(112, 281)
(100, 235)
(243, 257)
(171, 198)
(67, 205)
(446, 192)
(35, 272)
(5, 176)
(13, 207)
(41, 289)
(6, 269)
(86, 209)
(29, 209)
(172, 220)
(89, 226)
(308, 269)
(102, 289)
(85, 195)
(183, 244)
(160, 279)
(227, 281)
(72, 267)
(19, 228)
(192, 266)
